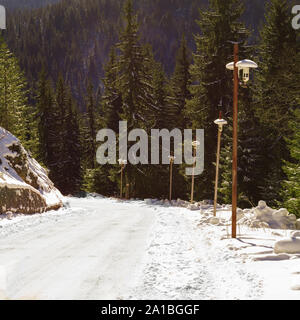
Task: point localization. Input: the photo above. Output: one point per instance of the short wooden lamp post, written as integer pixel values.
(122, 163)
(195, 145)
(172, 159)
(220, 123)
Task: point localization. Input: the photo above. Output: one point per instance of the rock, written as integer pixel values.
(24, 184)
(290, 246)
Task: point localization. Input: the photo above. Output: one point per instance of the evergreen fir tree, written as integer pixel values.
(72, 163)
(112, 99)
(135, 84)
(219, 25)
(132, 70)
(291, 186)
(92, 119)
(44, 105)
(179, 88)
(277, 83)
(251, 145)
(16, 115)
(57, 136)
(160, 97)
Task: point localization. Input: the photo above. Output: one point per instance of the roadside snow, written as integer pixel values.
(100, 248)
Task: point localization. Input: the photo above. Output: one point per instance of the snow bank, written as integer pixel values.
(260, 217)
(24, 184)
(290, 245)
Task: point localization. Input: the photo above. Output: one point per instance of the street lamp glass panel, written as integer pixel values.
(246, 65)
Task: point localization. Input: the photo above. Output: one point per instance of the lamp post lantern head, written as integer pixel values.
(122, 162)
(221, 122)
(245, 66)
(195, 144)
(172, 159)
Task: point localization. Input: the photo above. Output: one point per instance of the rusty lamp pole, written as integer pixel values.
(195, 145)
(122, 164)
(172, 159)
(220, 123)
(237, 66)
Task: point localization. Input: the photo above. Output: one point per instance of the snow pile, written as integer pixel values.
(202, 205)
(24, 184)
(290, 246)
(260, 217)
(265, 217)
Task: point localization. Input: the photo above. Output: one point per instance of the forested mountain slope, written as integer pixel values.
(74, 36)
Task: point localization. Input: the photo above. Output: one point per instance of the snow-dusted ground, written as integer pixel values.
(104, 249)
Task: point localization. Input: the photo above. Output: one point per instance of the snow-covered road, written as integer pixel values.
(91, 251)
(103, 249)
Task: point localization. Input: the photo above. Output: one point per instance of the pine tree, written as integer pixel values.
(180, 88)
(135, 85)
(57, 136)
(112, 99)
(291, 187)
(160, 96)
(16, 115)
(219, 25)
(60, 136)
(251, 145)
(92, 121)
(277, 83)
(132, 71)
(72, 163)
(44, 105)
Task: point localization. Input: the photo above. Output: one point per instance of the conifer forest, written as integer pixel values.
(70, 68)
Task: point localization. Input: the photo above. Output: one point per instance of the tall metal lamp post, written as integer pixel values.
(220, 123)
(195, 145)
(122, 163)
(172, 159)
(236, 67)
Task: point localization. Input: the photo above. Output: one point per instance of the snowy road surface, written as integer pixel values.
(89, 253)
(103, 249)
